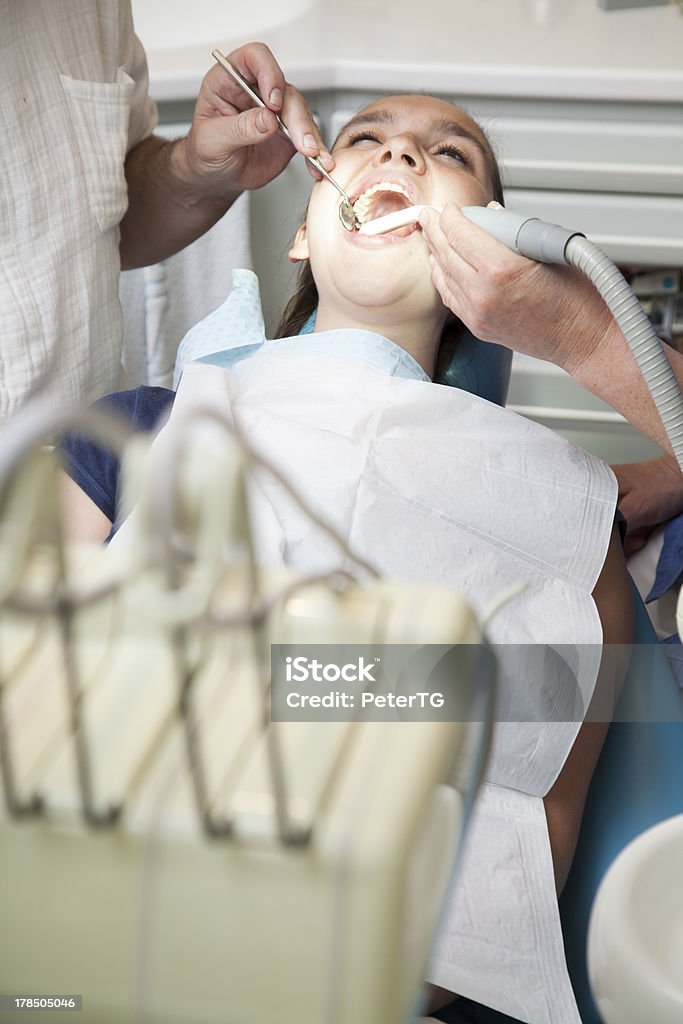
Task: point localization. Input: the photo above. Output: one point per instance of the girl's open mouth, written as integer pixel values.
(380, 201)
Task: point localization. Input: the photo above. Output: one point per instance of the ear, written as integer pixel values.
(299, 250)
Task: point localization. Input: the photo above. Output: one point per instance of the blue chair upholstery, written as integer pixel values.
(479, 367)
(638, 781)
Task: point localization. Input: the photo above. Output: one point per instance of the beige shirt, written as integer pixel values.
(73, 81)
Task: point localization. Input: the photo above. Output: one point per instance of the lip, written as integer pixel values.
(391, 178)
(372, 241)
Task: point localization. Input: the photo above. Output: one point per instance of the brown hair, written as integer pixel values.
(304, 298)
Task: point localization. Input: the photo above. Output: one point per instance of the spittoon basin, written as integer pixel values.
(635, 940)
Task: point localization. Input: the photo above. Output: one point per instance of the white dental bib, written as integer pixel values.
(430, 483)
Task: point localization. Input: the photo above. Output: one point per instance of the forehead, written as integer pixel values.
(413, 112)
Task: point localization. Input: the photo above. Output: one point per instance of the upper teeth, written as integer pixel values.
(362, 204)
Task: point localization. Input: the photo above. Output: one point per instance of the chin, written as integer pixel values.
(380, 279)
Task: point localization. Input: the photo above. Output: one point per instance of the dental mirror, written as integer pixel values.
(346, 212)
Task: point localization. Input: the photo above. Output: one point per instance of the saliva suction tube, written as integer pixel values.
(549, 243)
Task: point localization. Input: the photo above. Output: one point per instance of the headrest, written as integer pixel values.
(479, 367)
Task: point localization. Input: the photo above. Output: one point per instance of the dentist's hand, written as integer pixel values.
(650, 493)
(233, 145)
(178, 190)
(547, 311)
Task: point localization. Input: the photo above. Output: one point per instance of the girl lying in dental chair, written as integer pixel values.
(429, 482)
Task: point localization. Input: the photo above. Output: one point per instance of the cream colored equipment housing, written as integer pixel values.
(168, 851)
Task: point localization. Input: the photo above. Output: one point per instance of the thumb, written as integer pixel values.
(249, 128)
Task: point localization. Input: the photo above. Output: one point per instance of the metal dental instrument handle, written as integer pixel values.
(346, 212)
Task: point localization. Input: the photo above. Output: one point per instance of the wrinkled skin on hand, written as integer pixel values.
(233, 145)
(547, 311)
(542, 310)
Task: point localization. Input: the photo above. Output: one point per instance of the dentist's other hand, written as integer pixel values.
(542, 310)
(650, 493)
(233, 145)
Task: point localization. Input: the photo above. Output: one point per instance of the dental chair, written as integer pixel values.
(169, 845)
(635, 785)
(638, 781)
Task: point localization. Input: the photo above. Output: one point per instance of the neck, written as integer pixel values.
(419, 338)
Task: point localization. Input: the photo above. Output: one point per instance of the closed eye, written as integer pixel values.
(363, 136)
(455, 153)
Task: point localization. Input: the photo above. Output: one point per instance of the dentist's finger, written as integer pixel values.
(449, 272)
(475, 245)
(250, 128)
(258, 66)
(479, 248)
(453, 295)
(449, 296)
(313, 171)
(303, 129)
(469, 282)
(440, 244)
(459, 300)
(256, 63)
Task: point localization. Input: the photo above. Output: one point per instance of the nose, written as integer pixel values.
(402, 150)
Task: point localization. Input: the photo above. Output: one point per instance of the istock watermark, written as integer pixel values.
(386, 682)
(534, 683)
(303, 669)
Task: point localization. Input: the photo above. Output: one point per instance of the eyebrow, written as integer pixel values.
(442, 126)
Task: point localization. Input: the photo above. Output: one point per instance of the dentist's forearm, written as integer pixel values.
(609, 370)
(165, 213)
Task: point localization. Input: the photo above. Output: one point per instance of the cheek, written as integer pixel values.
(484, 194)
(320, 219)
(484, 191)
(469, 191)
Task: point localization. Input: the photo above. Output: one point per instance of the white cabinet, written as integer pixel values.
(646, 230)
(598, 154)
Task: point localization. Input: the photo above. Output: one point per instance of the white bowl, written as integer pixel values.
(635, 938)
